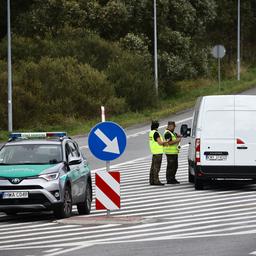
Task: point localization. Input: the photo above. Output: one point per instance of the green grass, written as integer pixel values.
(188, 92)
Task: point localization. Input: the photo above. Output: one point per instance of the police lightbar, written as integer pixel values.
(36, 135)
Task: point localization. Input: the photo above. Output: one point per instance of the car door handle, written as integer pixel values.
(242, 147)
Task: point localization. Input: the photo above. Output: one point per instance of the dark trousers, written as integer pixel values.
(155, 168)
(172, 166)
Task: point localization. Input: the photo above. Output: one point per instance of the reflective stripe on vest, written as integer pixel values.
(155, 148)
(171, 149)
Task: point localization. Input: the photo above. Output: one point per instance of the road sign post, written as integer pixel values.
(103, 119)
(218, 52)
(107, 142)
(108, 169)
(10, 117)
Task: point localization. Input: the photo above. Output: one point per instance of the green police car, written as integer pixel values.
(44, 171)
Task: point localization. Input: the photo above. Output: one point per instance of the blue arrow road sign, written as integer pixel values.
(107, 141)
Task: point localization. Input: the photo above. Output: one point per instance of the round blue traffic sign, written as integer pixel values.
(107, 141)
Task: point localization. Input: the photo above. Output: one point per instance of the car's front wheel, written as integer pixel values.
(85, 206)
(65, 209)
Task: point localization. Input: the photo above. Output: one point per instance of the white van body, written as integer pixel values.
(223, 139)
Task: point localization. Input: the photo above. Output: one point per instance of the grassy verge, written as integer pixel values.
(187, 93)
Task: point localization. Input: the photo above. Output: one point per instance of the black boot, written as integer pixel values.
(173, 181)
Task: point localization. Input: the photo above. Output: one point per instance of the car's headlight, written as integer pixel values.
(50, 176)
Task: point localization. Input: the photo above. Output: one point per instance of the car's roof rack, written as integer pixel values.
(36, 135)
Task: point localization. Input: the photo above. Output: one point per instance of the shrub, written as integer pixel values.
(52, 90)
(133, 81)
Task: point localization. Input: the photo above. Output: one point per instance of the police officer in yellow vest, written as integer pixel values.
(171, 151)
(156, 144)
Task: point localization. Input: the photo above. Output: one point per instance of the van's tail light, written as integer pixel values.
(239, 141)
(198, 159)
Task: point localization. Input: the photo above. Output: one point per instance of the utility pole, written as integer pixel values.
(238, 40)
(155, 48)
(10, 124)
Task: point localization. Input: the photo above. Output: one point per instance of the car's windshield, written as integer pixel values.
(30, 154)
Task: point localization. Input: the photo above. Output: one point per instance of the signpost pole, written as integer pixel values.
(10, 121)
(108, 169)
(219, 72)
(155, 49)
(238, 40)
(218, 52)
(103, 119)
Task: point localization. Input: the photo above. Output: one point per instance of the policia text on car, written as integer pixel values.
(158, 146)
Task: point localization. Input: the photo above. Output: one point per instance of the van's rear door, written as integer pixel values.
(217, 134)
(245, 132)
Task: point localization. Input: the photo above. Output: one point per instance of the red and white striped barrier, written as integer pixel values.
(107, 190)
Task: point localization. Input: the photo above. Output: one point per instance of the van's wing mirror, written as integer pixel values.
(185, 131)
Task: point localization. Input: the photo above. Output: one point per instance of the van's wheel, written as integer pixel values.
(85, 206)
(191, 178)
(199, 185)
(65, 209)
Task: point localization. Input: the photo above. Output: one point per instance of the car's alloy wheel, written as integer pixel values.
(85, 207)
(65, 209)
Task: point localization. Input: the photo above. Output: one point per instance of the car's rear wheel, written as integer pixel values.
(65, 209)
(85, 206)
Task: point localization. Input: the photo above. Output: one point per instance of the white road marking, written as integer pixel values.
(53, 250)
(253, 253)
(69, 250)
(10, 226)
(176, 212)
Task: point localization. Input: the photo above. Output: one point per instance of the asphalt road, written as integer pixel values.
(176, 219)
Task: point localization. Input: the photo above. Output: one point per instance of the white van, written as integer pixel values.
(223, 139)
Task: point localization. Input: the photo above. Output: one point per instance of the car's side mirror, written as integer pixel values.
(74, 160)
(185, 131)
(66, 165)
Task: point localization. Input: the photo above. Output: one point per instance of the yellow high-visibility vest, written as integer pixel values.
(171, 149)
(155, 148)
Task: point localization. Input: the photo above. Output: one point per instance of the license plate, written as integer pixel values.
(216, 158)
(14, 195)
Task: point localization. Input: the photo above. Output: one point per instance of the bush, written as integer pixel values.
(52, 90)
(133, 80)
(82, 45)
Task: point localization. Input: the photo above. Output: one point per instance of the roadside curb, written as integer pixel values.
(80, 220)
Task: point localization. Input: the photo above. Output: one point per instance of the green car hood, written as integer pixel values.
(21, 171)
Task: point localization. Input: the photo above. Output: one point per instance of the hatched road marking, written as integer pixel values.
(174, 211)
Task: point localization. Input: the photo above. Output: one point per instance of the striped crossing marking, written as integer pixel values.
(173, 211)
